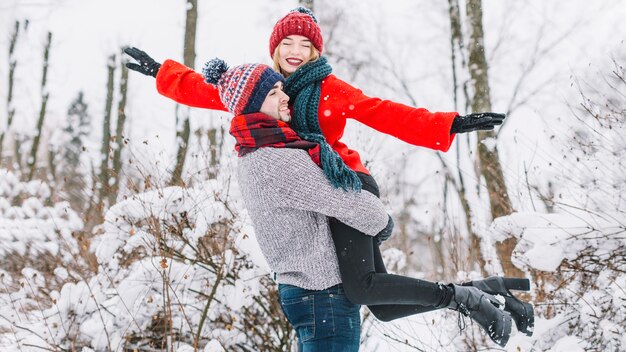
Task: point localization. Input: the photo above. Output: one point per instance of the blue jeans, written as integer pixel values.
(324, 320)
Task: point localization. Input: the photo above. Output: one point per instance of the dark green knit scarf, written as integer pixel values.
(304, 90)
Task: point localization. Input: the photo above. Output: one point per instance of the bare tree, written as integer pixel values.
(106, 136)
(458, 183)
(183, 128)
(17, 147)
(119, 135)
(12, 65)
(32, 160)
(216, 144)
(491, 169)
(457, 45)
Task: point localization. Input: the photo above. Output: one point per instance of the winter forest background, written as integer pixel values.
(121, 226)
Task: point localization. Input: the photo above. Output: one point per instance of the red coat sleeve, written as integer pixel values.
(186, 86)
(416, 126)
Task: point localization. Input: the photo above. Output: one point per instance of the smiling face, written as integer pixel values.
(293, 52)
(275, 103)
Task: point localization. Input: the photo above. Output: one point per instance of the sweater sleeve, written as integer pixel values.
(300, 184)
(416, 126)
(186, 86)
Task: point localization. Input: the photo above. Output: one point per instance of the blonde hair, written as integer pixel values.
(315, 54)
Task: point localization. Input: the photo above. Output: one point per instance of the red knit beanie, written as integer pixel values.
(300, 21)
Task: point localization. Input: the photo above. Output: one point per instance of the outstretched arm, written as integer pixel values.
(176, 81)
(186, 86)
(416, 126)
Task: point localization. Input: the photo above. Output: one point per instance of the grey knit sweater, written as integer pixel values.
(289, 198)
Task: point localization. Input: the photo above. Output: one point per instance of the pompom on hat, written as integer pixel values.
(242, 88)
(299, 21)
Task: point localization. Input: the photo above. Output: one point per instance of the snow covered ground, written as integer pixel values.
(541, 54)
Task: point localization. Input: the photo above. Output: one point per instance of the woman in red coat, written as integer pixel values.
(321, 104)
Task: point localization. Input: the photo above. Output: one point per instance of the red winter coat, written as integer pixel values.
(338, 101)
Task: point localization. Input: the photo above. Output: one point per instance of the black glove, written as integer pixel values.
(483, 121)
(385, 233)
(146, 65)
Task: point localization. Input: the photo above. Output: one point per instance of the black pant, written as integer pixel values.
(365, 279)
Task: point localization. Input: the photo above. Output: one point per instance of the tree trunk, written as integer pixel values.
(183, 128)
(189, 51)
(52, 168)
(32, 159)
(212, 135)
(457, 46)
(119, 135)
(106, 137)
(491, 169)
(12, 65)
(456, 41)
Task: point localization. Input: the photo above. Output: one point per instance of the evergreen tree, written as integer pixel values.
(77, 128)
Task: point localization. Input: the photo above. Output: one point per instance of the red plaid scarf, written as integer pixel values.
(258, 130)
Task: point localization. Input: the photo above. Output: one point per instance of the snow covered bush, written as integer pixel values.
(36, 237)
(38, 252)
(578, 264)
(576, 251)
(173, 270)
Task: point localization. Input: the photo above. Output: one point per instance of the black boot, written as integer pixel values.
(521, 312)
(483, 309)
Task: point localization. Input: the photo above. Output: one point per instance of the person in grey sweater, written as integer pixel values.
(290, 201)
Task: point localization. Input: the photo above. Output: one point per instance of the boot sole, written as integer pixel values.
(513, 283)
